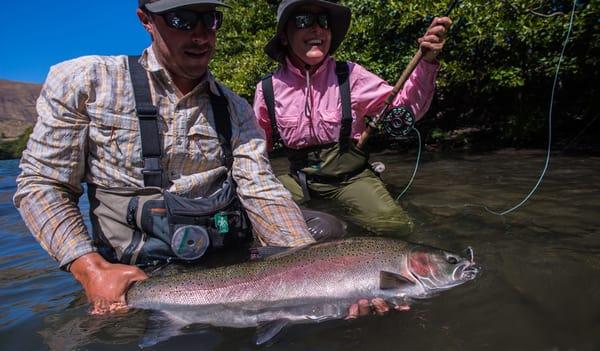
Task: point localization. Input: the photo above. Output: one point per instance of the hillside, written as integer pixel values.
(17, 107)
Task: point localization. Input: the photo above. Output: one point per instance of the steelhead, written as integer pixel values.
(309, 284)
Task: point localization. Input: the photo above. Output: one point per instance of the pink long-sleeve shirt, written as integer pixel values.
(308, 108)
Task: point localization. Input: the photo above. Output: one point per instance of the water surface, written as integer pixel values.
(539, 289)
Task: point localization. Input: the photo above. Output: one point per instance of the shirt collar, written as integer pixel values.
(297, 71)
(149, 61)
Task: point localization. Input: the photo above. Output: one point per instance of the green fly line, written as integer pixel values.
(549, 148)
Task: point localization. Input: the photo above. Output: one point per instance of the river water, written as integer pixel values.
(539, 288)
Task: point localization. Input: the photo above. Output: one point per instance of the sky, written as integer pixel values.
(36, 34)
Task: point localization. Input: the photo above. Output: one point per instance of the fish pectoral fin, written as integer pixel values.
(160, 327)
(267, 331)
(390, 280)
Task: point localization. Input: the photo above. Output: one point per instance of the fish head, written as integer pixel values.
(436, 269)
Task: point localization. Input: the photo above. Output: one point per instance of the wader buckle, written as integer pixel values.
(146, 111)
(152, 170)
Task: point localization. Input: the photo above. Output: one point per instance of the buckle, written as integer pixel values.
(151, 165)
(146, 111)
(152, 172)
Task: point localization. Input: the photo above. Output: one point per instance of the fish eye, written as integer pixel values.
(452, 259)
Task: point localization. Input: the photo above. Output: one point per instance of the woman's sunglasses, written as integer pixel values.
(307, 20)
(186, 20)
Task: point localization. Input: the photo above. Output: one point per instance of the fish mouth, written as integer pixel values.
(467, 270)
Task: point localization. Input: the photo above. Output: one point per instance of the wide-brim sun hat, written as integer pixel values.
(159, 6)
(340, 17)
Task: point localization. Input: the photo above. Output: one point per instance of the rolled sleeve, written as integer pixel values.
(53, 166)
(276, 219)
(418, 90)
(370, 91)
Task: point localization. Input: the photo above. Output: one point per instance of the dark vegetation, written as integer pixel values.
(11, 149)
(496, 74)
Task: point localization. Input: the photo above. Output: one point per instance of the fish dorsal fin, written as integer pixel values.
(267, 331)
(389, 280)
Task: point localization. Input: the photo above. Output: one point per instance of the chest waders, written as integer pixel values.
(331, 163)
(148, 226)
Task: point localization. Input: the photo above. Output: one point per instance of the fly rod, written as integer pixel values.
(372, 124)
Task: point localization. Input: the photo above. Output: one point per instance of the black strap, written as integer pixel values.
(148, 119)
(304, 185)
(222, 124)
(269, 96)
(342, 72)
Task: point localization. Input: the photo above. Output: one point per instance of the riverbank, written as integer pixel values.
(12, 148)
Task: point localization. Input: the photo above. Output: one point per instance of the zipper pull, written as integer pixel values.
(307, 107)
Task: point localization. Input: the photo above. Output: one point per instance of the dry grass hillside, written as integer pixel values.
(17, 107)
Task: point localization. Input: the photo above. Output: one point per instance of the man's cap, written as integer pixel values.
(160, 6)
(340, 17)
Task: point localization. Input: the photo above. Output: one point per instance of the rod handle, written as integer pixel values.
(366, 134)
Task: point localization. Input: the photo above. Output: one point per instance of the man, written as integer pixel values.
(88, 130)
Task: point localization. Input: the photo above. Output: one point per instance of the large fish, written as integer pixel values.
(310, 284)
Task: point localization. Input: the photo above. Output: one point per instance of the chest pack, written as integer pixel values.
(330, 163)
(148, 226)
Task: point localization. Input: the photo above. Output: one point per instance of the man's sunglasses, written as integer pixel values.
(187, 20)
(307, 20)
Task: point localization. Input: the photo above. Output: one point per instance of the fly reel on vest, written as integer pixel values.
(190, 242)
(398, 122)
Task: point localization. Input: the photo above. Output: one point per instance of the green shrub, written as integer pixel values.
(13, 149)
(496, 71)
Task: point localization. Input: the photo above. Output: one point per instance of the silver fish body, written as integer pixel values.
(309, 284)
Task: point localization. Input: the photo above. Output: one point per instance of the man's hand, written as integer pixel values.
(378, 305)
(105, 284)
(434, 39)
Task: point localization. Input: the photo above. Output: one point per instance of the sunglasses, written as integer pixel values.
(307, 20)
(186, 20)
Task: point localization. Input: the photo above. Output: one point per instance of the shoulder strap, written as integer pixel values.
(222, 124)
(148, 119)
(342, 72)
(269, 96)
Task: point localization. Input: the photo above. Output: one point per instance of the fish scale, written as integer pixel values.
(298, 270)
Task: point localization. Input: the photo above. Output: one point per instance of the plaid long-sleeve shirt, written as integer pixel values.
(87, 130)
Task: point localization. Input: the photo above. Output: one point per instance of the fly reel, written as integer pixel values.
(397, 122)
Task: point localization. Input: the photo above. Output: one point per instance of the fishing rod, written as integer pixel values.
(395, 118)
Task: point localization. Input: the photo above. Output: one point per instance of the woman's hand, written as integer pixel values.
(434, 39)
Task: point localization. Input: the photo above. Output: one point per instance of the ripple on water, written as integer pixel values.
(538, 289)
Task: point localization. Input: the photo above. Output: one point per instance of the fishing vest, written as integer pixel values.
(149, 225)
(330, 163)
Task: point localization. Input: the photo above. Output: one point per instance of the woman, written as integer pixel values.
(303, 103)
